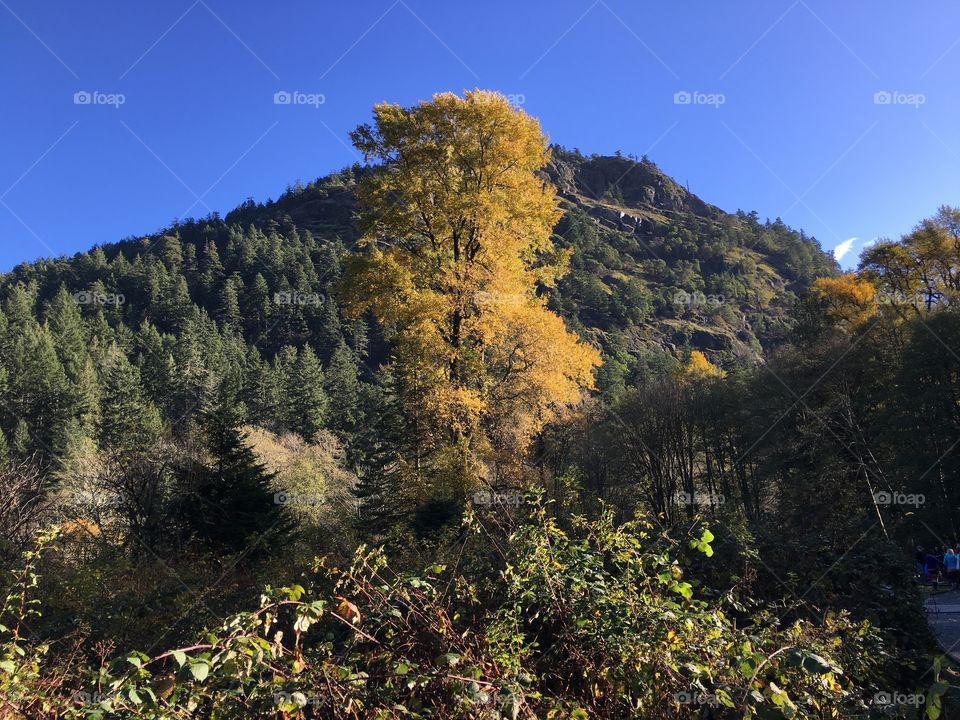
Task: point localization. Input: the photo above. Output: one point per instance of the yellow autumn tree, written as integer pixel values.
(456, 242)
(921, 271)
(698, 367)
(847, 299)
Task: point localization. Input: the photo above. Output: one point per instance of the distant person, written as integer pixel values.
(932, 564)
(920, 558)
(951, 561)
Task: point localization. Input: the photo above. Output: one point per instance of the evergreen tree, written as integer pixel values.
(158, 371)
(329, 333)
(257, 307)
(377, 456)
(40, 394)
(129, 422)
(66, 325)
(228, 310)
(305, 401)
(343, 387)
(232, 504)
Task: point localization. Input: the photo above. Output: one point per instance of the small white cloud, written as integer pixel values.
(868, 243)
(843, 248)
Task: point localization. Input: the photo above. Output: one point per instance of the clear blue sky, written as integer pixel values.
(798, 134)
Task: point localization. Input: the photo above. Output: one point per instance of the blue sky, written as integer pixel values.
(783, 117)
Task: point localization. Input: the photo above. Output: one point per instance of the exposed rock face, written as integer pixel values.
(649, 239)
(626, 182)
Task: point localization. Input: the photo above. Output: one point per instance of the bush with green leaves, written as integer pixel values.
(582, 619)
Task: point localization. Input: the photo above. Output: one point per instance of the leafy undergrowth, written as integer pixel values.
(595, 620)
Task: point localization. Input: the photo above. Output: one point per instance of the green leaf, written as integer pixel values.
(180, 656)
(448, 660)
(199, 671)
(816, 665)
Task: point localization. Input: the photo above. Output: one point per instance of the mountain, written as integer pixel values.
(654, 266)
(655, 272)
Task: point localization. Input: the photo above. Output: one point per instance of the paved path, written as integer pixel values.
(943, 614)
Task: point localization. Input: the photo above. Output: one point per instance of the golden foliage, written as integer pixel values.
(457, 229)
(698, 367)
(848, 299)
(923, 268)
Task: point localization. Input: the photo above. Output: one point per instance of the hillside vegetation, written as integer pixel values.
(480, 429)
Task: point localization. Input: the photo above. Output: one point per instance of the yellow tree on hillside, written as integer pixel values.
(456, 241)
(847, 299)
(698, 367)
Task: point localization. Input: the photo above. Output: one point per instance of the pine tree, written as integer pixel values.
(228, 310)
(304, 397)
(158, 371)
(260, 391)
(377, 454)
(343, 388)
(232, 503)
(40, 394)
(257, 307)
(329, 333)
(66, 325)
(130, 422)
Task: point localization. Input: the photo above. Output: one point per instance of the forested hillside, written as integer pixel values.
(479, 429)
